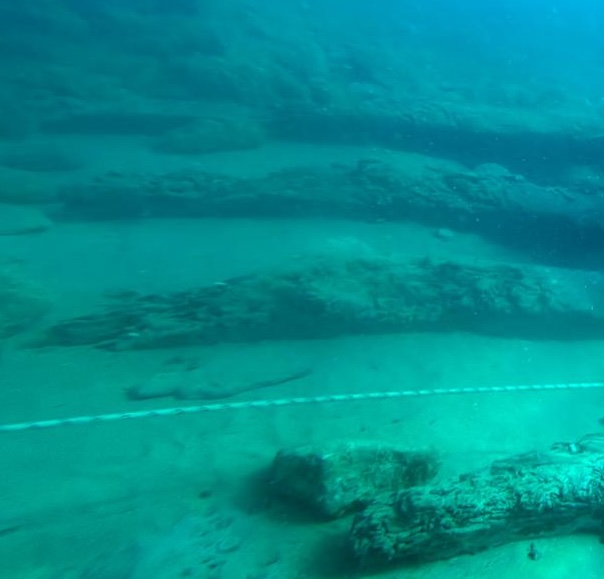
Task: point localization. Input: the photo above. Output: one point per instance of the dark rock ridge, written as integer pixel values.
(339, 294)
(400, 77)
(531, 144)
(491, 201)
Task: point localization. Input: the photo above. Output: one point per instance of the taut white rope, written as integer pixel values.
(277, 402)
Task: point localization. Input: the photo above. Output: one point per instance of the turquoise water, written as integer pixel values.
(228, 228)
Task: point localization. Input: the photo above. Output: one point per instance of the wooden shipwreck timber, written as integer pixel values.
(524, 497)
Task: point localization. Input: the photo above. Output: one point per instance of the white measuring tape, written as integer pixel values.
(278, 402)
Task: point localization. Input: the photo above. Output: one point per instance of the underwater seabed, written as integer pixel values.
(227, 228)
(187, 495)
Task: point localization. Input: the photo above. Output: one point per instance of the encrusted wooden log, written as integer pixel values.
(538, 494)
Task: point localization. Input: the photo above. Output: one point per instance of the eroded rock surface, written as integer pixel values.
(341, 477)
(342, 294)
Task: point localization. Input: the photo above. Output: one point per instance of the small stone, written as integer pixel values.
(444, 234)
(228, 545)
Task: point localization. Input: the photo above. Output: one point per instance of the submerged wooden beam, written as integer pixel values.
(537, 494)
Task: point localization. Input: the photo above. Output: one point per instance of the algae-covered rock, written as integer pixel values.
(22, 305)
(341, 477)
